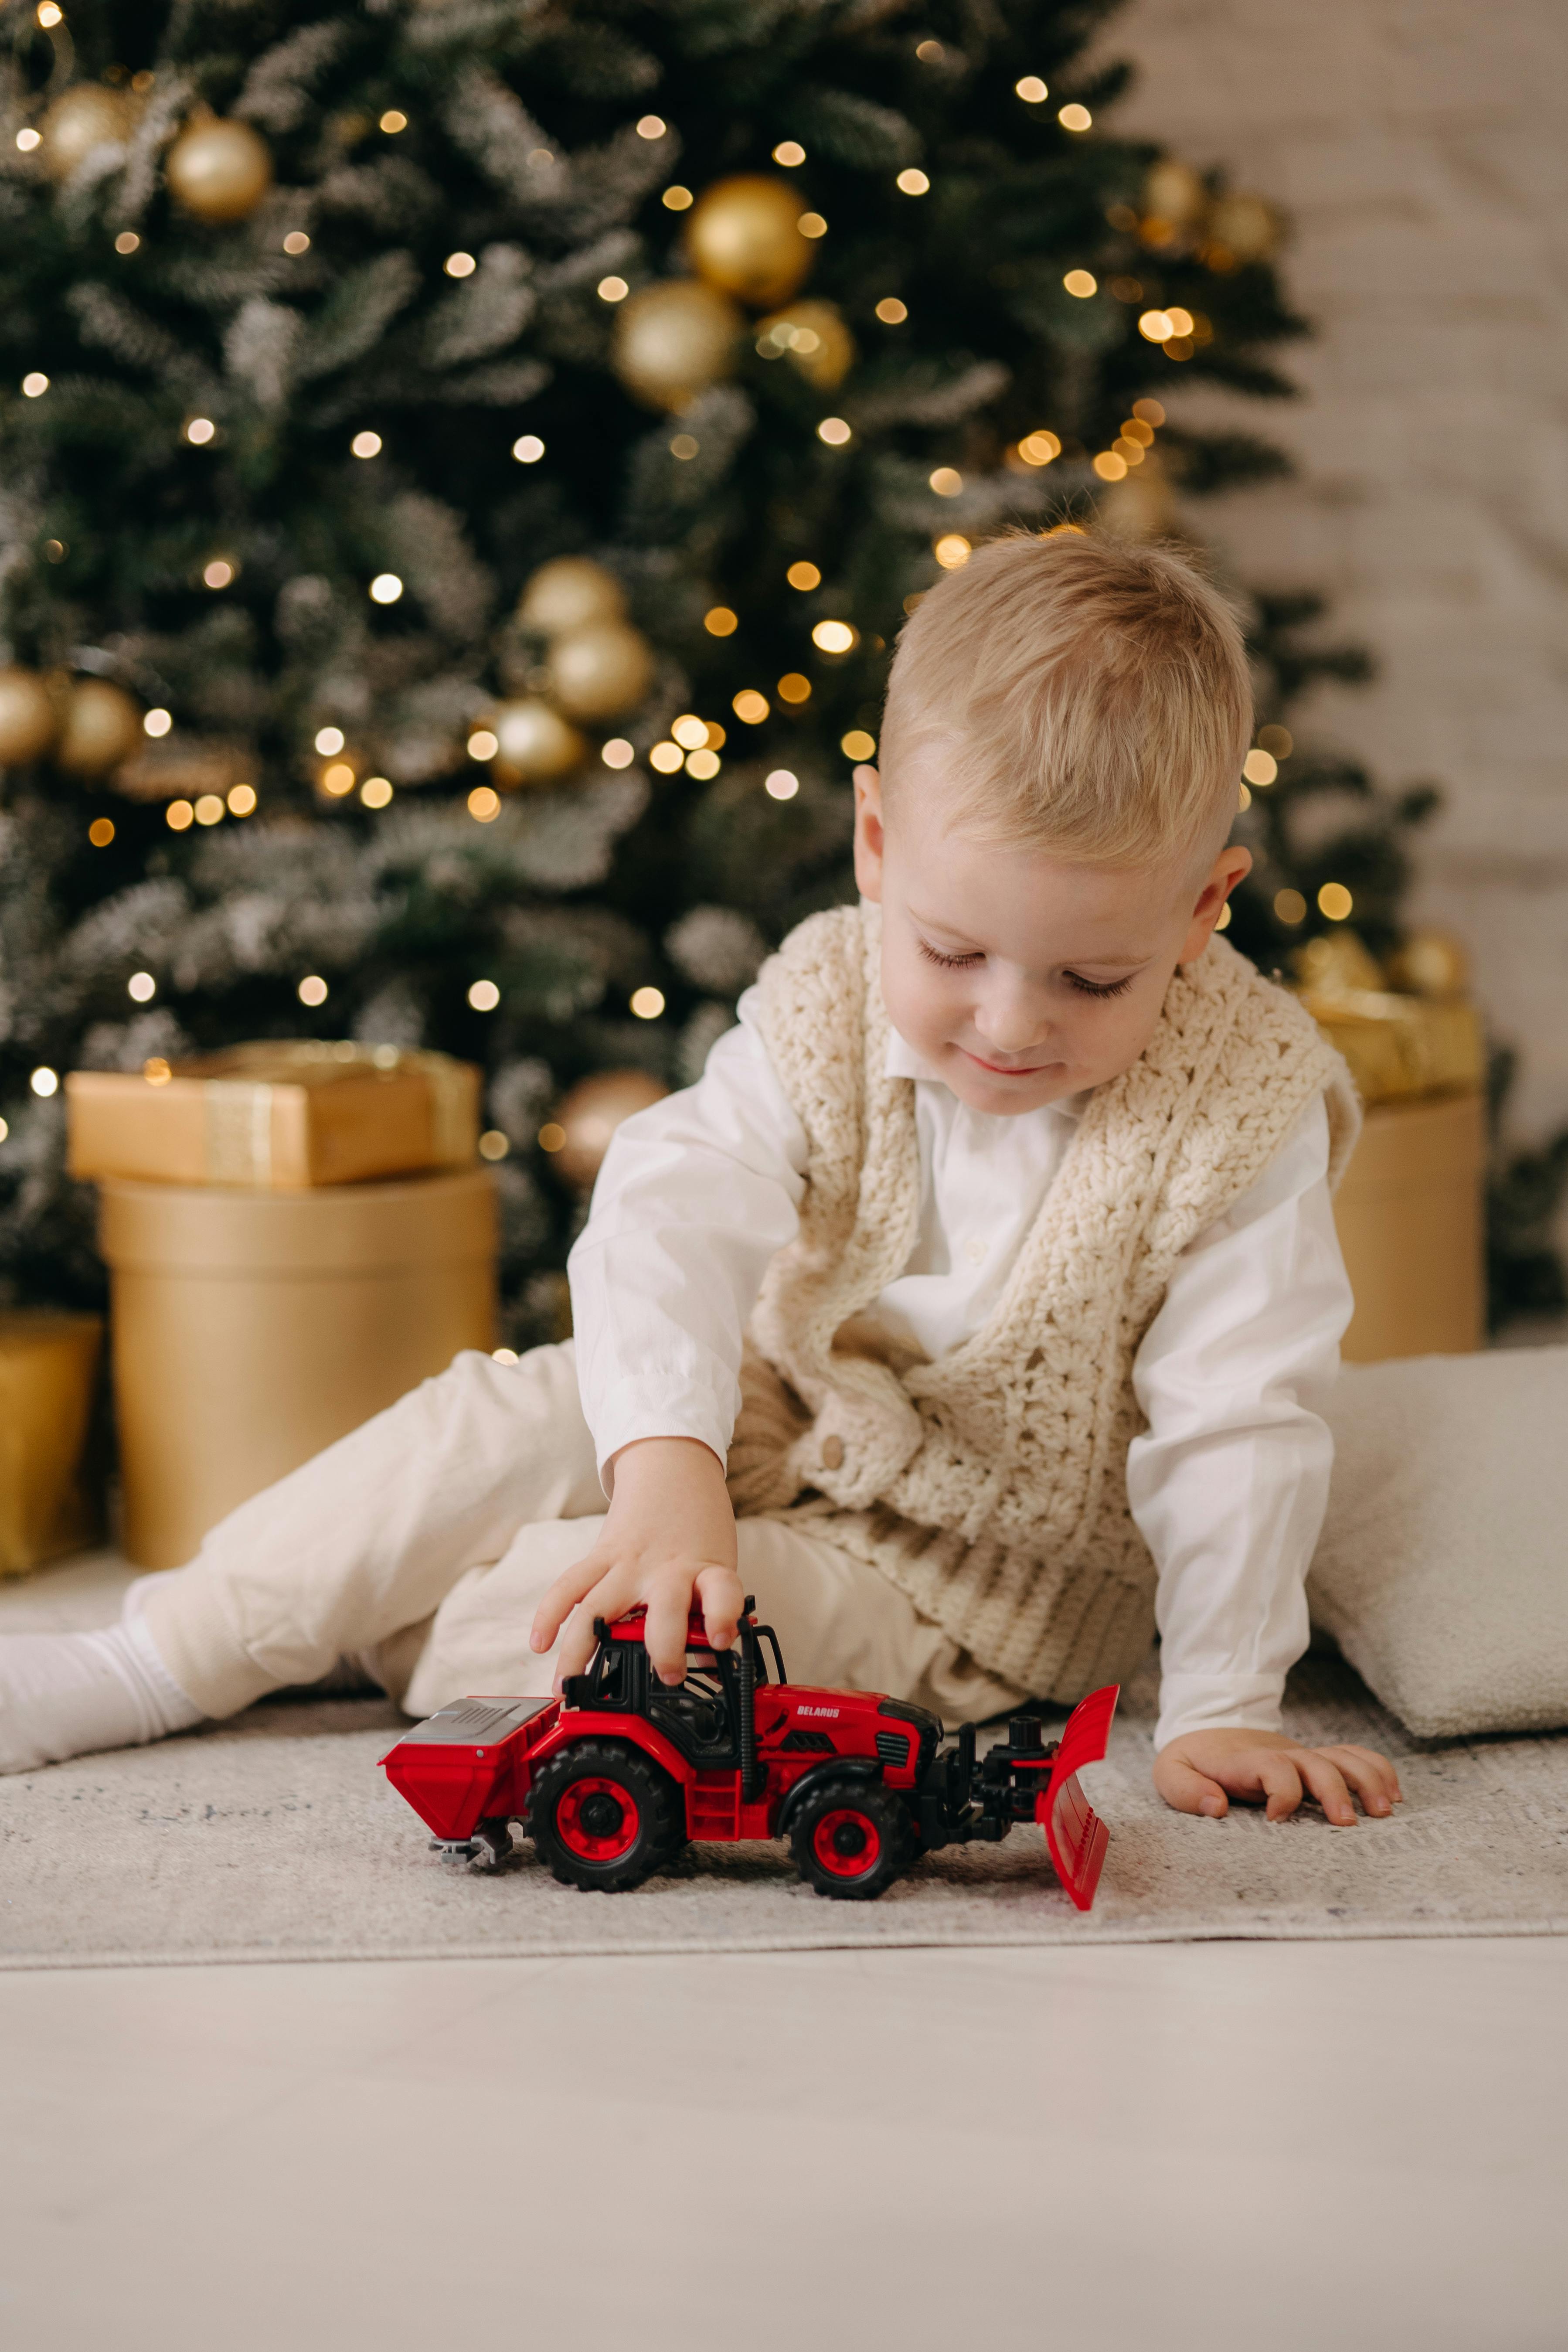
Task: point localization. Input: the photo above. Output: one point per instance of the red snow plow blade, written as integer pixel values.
(1073, 1832)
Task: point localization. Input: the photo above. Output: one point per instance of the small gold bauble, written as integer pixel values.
(102, 726)
(1139, 507)
(1173, 193)
(182, 770)
(1336, 964)
(673, 340)
(1246, 228)
(81, 119)
(589, 1116)
(568, 593)
(1431, 963)
(28, 717)
(742, 235)
(602, 671)
(814, 337)
(220, 171)
(536, 744)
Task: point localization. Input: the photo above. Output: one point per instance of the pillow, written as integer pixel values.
(1443, 1569)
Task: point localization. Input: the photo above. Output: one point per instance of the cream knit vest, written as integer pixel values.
(990, 1486)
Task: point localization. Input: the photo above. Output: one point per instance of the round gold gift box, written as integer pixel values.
(252, 1329)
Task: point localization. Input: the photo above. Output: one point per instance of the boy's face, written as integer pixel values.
(1021, 978)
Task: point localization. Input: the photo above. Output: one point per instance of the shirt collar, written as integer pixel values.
(903, 1062)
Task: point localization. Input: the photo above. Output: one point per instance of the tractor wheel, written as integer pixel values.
(603, 1816)
(851, 1839)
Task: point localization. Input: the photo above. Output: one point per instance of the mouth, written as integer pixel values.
(1008, 1069)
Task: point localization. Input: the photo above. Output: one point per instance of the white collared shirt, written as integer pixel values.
(1228, 1483)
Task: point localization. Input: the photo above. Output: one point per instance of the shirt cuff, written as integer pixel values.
(624, 1415)
(1218, 1702)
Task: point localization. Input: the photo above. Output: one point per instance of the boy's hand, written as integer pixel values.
(669, 1532)
(1200, 1771)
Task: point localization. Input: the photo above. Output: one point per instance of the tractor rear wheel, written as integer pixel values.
(851, 1839)
(603, 1815)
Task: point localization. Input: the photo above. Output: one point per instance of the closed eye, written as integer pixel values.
(950, 962)
(1098, 987)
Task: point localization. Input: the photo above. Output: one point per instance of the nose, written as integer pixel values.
(1012, 1018)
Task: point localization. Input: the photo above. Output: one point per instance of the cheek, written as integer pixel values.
(1123, 1026)
(921, 999)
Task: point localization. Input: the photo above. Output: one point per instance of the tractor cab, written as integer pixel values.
(710, 1716)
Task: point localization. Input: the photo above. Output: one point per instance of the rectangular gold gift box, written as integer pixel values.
(276, 1116)
(48, 1372)
(1402, 1047)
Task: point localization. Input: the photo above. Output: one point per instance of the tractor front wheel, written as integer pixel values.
(602, 1814)
(851, 1839)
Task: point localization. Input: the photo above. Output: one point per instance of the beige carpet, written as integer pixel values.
(274, 1837)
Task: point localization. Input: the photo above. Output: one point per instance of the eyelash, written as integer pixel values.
(1084, 987)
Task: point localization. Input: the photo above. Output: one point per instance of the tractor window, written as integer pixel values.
(698, 1715)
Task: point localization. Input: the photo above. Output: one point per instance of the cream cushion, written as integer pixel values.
(1443, 1569)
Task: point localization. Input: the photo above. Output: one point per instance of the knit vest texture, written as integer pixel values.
(990, 1486)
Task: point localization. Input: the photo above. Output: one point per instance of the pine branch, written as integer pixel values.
(357, 313)
(259, 350)
(487, 313)
(276, 92)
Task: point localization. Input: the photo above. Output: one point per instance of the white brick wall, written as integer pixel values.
(1421, 150)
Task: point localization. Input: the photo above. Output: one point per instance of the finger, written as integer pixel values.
(1326, 1782)
(1389, 1776)
(1371, 1777)
(1189, 1790)
(1279, 1781)
(668, 1613)
(570, 1587)
(719, 1590)
(578, 1639)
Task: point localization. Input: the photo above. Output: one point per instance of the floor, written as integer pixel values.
(1281, 2147)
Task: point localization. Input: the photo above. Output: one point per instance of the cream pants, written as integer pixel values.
(424, 1542)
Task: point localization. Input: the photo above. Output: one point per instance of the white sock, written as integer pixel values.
(70, 1694)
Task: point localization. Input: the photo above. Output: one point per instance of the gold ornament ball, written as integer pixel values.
(1139, 507)
(1431, 963)
(673, 340)
(81, 119)
(1175, 192)
(589, 1116)
(102, 726)
(813, 339)
(220, 171)
(744, 236)
(1246, 227)
(1336, 964)
(571, 593)
(602, 671)
(28, 717)
(536, 745)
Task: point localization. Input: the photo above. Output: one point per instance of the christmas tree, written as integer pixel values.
(466, 465)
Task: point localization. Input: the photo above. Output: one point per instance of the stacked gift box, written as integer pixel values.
(296, 1235)
(1410, 1212)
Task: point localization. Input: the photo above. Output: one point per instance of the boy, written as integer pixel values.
(988, 1274)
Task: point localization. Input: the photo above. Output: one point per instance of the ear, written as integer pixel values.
(1232, 865)
(868, 841)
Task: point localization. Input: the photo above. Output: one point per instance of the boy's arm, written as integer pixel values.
(695, 1196)
(670, 1533)
(1228, 1486)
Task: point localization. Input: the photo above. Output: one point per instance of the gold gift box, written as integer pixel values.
(276, 1116)
(49, 1373)
(1400, 1044)
(252, 1329)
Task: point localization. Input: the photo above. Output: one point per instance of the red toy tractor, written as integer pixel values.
(614, 1778)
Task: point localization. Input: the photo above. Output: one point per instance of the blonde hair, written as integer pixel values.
(1095, 698)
